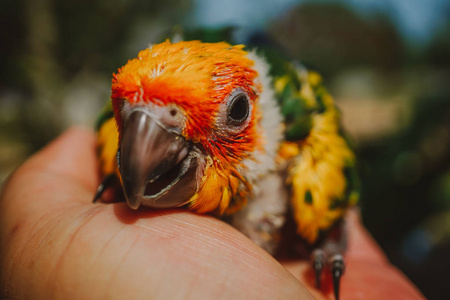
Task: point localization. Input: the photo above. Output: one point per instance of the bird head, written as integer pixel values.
(188, 117)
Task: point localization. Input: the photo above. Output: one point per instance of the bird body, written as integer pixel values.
(242, 128)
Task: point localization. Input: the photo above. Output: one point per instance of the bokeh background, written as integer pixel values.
(387, 62)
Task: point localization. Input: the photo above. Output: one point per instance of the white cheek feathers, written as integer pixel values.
(270, 128)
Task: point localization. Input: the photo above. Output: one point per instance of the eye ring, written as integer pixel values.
(238, 109)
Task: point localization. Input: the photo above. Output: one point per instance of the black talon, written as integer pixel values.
(106, 182)
(337, 269)
(318, 263)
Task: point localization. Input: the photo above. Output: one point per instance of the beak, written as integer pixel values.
(154, 163)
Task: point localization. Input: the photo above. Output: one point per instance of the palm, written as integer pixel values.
(56, 244)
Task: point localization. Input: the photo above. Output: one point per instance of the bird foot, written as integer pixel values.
(107, 181)
(334, 263)
(329, 256)
(337, 267)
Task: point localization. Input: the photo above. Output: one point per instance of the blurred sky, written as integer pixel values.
(416, 20)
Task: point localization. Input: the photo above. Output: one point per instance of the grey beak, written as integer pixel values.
(155, 167)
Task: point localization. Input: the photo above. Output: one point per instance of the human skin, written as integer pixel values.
(56, 244)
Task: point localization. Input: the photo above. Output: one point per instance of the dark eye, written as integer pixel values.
(238, 110)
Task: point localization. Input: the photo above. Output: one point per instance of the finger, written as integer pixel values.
(362, 246)
(368, 268)
(64, 172)
(161, 255)
(72, 154)
(376, 281)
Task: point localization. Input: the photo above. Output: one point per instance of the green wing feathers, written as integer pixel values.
(322, 173)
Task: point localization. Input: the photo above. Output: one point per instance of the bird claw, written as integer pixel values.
(318, 261)
(107, 181)
(329, 256)
(336, 265)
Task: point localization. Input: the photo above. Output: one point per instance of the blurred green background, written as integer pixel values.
(387, 62)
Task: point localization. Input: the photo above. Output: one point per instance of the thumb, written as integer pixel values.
(62, 173)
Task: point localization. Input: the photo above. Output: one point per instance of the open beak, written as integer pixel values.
(157, 166)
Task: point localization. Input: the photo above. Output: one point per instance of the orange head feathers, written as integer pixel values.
(196, 77)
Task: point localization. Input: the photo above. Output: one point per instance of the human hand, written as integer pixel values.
(56, 244)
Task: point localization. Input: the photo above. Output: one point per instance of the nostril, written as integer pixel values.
(173, 112)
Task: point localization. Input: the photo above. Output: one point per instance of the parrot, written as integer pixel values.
(218, 128)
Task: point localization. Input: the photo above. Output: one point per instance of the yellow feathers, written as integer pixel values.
(316, 172)
(107, 144)
(317, 178)
(219, 189)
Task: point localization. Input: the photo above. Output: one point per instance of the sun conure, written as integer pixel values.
(214, 128)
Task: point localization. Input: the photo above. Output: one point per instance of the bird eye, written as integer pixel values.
(238, 109)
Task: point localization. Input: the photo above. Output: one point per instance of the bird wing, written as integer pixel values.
(321, 165)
